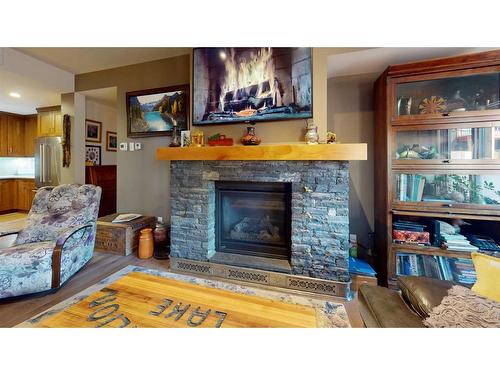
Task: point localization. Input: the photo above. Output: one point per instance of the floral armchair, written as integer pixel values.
(58, 240)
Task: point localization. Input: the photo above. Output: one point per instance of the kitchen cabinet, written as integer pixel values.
(16, 194)
(12, 135)
(15, 135)
(30, 134)
(49, 122)
(25, 194)
(8, 195)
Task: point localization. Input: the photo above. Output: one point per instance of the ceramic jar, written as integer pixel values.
(146, 244)
(250, 139)
(312, 136)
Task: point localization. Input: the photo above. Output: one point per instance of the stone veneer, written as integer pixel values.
(320, 213)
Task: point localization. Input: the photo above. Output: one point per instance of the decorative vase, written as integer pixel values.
(176, 142)
(161, 242)
(146, 244)
(250, 139)
(312, 136)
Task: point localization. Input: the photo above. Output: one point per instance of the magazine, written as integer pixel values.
(124, 218)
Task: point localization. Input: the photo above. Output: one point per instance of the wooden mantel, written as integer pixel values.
(298, 151)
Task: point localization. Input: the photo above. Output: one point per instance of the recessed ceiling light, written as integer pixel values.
(15, 95)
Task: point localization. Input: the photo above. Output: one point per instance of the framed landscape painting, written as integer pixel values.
(154, 112)
(93, 131)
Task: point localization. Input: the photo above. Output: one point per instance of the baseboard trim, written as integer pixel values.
(251, 275)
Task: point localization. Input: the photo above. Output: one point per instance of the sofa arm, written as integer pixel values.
(422, 294)
(63, 238)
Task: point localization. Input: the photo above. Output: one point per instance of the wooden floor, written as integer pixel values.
(101, 266)
(12, 216)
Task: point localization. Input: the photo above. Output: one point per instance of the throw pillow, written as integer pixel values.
(463, 308)
(488, 276)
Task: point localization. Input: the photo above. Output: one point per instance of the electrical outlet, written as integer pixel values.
(123, 146)
(138, 146)
(131, 146)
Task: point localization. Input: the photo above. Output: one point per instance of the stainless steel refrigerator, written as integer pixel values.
(48, 161)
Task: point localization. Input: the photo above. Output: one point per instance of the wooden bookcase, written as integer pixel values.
(461, 175)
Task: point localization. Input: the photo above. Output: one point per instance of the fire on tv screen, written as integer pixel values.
(251, 84)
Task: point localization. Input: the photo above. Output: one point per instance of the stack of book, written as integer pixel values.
(463, 271)
(442, 268)
(410, 232)
(410, 187)
(457, 242)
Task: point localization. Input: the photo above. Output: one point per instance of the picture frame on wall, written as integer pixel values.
(93, 131)
(111, 141)
(154, 112)
(92, 155)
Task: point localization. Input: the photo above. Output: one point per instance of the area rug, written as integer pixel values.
(140, 297)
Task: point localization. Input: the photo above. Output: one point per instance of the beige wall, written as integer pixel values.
(107, 116)
(351, 117)
(143, 182)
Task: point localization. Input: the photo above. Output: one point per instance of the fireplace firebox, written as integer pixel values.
(253, 218)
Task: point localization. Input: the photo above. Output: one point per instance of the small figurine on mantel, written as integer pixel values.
(331, 137)
(312, 136)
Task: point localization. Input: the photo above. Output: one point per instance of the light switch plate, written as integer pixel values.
(123, 146)
(138, 146)
(131, 146)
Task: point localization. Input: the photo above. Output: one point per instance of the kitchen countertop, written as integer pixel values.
(17, 177)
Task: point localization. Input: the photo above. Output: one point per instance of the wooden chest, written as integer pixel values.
(120, 238)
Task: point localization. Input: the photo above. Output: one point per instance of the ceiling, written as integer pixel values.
(106, 96)
(376, 60)
(33, 94)
(84, 60)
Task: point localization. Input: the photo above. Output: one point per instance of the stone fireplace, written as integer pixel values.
(289, 216)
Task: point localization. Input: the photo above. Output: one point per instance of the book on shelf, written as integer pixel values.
(438, 267)
(411, 187)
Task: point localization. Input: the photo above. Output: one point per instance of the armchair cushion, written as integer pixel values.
(423, 293)
(26, 268)
(61, 207)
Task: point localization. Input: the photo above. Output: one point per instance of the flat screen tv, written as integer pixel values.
(232, 85)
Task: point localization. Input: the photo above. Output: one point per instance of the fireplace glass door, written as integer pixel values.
(253, 218)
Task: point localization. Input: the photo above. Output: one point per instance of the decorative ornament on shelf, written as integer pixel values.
(312, 136)
(432, 105)
(185, 138)
(197, 139)
(331, 137)
(176, 142)
(250, 139)
(220, 140)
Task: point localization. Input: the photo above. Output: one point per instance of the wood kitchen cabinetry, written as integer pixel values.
(49, 122)
(8, 195)
(30, 134)
(16, 194)
(11, 135)
(17, 134)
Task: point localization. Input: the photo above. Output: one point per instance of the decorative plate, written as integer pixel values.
(434, 104)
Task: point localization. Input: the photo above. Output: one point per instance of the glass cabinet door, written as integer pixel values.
(457, 189)
(448, 145)
(447, 96)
